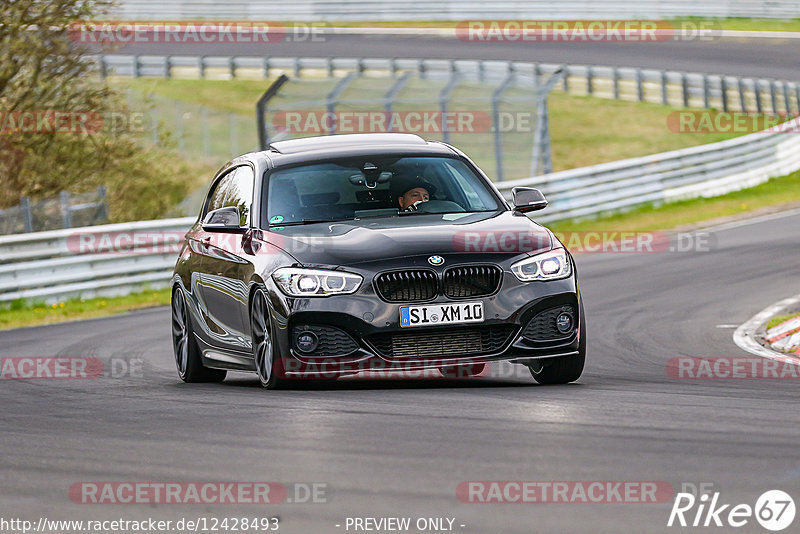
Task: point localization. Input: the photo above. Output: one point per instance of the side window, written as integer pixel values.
(240, 193)
(217, 195)
(234, 189)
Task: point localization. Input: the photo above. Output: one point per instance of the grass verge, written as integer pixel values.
(20, 313)
(776, 192)
(778, 319)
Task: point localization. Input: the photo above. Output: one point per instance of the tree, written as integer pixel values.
(46, 76)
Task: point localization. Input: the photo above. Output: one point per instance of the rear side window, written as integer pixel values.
(234, 189)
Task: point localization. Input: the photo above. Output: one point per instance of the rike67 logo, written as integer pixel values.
(774, 510)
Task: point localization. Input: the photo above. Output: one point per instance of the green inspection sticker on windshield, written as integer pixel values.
(276, 219)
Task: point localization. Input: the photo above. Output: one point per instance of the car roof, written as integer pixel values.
(333, 146)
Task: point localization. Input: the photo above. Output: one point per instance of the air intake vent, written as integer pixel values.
(543, 327)
(472, 281)
(474, 341)
(407, 286)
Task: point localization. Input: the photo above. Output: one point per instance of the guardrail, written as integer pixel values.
(107, 260)
(117, 259)
(705, 170)
(686, 89)
(376, 10)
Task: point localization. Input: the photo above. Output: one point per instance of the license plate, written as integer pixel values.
(436, 314)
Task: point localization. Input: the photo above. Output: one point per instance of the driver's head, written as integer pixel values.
(408, 192)
(413, 195)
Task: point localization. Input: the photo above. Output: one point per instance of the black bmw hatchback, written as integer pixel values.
(332, 256)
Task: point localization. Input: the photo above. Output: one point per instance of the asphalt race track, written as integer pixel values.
(768, 58)
(400, 448)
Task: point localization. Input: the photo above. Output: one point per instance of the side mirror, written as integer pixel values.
(225, 220)
(528, 199)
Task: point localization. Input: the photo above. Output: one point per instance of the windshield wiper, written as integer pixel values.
(306, 221)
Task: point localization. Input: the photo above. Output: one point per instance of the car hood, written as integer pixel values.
(367, 240)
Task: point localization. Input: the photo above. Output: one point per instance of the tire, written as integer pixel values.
(462, 371)
(270, 370)
(187, 354)
(564, 369)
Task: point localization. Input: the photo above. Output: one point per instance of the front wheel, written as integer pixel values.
(184, 345)
(270, 370)
(564, 369)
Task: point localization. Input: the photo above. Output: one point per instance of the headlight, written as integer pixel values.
(548, 266)
(315, 282)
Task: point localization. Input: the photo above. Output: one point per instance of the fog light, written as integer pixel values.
(564, 322)
(307, 342)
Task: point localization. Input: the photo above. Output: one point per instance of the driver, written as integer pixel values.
(410, 193)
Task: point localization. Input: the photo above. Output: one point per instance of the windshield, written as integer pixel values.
(375, 187)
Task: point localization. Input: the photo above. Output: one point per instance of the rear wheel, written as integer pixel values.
(187, 355)
(270, 370)
(564, 369)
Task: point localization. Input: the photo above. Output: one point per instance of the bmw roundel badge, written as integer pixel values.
(436, 260)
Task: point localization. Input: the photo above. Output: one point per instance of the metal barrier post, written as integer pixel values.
(541, 137)
(330, 100)
(664, 88)
(102, 199)
(261, 109)
(639, 86)
(589, 80)
(757, 89)
(742, 96)
(706, 99)
(444, 96)
(685, 87)
(498, 146)
(797, 96)
(787, 102)
(773, 96)
(391, 94)
(723, 86)
(615, 78)
(27, 216)
(66, 213)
